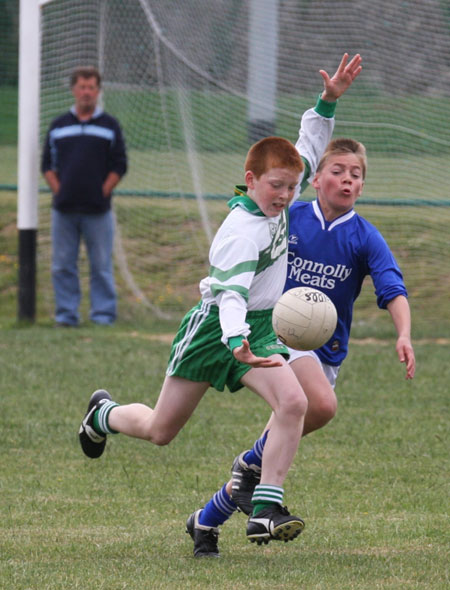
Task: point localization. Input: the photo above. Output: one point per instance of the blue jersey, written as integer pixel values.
(334, 257)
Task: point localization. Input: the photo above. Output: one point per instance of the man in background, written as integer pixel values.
(83, 160)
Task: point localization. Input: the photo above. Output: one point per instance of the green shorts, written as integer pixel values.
(198, 354)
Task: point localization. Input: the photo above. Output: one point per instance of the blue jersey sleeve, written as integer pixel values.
(384, 270)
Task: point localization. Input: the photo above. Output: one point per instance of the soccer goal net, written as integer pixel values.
(193, 84)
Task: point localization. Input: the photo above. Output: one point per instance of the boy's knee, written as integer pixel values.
(328, 409)
(160, 438)
(323, 409)
(294, 404)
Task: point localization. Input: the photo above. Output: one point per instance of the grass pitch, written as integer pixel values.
(372, 485)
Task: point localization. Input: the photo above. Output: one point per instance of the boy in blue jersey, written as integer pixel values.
(331, 248)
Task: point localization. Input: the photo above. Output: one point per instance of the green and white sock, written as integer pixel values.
(264, 495)
(100, 421)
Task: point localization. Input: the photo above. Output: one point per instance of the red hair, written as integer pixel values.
(272, 152)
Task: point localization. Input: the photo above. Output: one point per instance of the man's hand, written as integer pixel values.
(343, 78)
(110, 182)
(52, 180)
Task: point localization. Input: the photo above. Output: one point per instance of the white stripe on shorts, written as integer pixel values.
(194, 321)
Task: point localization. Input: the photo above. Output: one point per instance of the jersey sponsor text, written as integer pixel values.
(316, 274)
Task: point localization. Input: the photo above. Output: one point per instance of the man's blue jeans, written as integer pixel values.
(97, 231)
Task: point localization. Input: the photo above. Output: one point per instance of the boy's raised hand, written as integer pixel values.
(343, 78)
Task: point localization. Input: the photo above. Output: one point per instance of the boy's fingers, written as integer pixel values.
(343, 62)
(325, 76)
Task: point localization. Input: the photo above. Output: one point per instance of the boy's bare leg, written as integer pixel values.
(282, 391)
(322, 402)
(176, 403)
(279, 387)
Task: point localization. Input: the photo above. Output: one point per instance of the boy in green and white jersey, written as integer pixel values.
(227, 339)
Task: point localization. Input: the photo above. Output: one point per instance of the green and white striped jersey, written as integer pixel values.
(248, 259)
(248, 256)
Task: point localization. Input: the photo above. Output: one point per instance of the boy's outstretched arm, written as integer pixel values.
(335, 86)
(401, 316)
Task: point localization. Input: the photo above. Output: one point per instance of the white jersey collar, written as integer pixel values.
(333, 224)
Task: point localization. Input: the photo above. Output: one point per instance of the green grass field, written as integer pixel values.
(372, 485)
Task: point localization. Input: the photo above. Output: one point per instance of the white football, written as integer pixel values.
(304, 318)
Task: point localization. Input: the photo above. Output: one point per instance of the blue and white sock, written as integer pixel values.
(218, 509)
(254, 456)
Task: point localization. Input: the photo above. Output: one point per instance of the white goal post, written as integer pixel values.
(28, 154)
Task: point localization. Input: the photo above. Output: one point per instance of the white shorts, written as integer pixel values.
(331, 372)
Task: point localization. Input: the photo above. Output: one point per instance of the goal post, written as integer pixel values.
(262, 68)
(28, 155)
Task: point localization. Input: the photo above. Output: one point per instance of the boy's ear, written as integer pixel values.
(362, 188)
(250, 179)
(315, 181)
